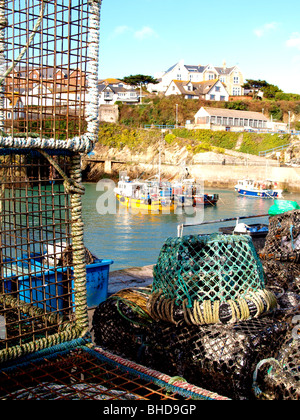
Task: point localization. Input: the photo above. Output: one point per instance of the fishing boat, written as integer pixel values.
(258, 189)
(149, 196)
(189, 194)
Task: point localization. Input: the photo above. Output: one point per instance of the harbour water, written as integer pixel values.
(134, 239)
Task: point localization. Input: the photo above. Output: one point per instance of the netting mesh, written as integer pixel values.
(214, 279)
(283, 240)
(217, 357)
(280, 259)
(36, 296)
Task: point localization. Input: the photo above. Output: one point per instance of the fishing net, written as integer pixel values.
(282, 277)
(221, 358)
(209, 279)
(283, 239)
(279, 378)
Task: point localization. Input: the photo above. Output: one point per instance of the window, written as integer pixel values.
(236, 80)
(218, 89)
(178, 76)
(236, 91)
(225, 121)
(222, 98)
(219, 120)
(211, 76)
(212, 97)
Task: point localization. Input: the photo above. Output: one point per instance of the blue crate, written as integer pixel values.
(11, 271)
(97, 276)
(44, 290)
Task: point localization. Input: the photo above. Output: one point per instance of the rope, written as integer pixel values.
(208, 312)
(161, 379)
(29, 309)
(274, 363)
(78, 247)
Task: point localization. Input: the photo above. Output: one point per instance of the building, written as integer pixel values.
(231, 77)
(211, 90)
(109, 113)
(220, 119)
(109, 94)
(13, 106)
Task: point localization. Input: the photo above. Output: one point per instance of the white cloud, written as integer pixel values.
(120, 30)
(145, 32)
(294, 41)
(266, 28)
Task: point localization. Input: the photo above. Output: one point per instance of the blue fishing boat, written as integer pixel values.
(258, 189)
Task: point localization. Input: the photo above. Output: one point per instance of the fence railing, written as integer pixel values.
(275, 149)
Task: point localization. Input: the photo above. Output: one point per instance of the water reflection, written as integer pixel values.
(135, 239)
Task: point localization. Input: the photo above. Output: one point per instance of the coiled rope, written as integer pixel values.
(208, 312)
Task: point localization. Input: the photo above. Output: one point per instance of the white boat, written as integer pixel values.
(258, 189)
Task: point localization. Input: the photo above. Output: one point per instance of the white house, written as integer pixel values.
(232, 77)
(220, 119)
(110, 94)
(211, 90)
(13, 106)
(39, 95)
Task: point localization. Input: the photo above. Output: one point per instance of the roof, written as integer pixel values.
(200, 69)
(199, 88)
(116, 89)
(223, 112)
(111, 81)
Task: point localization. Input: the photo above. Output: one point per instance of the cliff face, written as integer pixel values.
(174, 159)
(292, 153)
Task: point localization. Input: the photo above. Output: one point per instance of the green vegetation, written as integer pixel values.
(196, 141)
(164, 110)
(139, 79)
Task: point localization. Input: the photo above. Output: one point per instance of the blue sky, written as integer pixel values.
(149, 36)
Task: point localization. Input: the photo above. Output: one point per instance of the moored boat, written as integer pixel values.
(148, 196)
(189, 194)
(258, 189)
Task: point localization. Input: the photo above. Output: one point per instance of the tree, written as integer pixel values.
(261, 85)
(139, 79)
(270, 91)
(255, 84)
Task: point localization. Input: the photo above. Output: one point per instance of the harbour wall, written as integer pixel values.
(226, 176)
(215, 170)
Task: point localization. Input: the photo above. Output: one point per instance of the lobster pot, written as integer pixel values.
(279, 378)
(48, 118)
(282, 276)
(209, 279)
(221, 358)
(35, 301)
(45, 89)
(283, 239)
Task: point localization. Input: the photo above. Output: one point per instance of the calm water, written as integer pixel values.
(135, 240)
